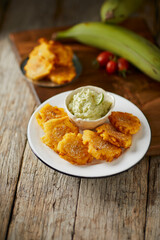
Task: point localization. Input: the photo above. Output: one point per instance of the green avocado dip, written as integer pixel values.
(88, 104)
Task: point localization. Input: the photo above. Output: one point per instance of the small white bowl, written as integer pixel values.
(85, 123)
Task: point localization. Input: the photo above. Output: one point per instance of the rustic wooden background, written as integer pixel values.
(39, 203)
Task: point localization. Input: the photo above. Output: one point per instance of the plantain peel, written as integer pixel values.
(125, 43)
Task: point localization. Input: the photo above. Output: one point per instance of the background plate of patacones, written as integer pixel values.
(131, 156)
(44, 82)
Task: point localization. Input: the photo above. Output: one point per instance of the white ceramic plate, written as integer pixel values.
(128, 159)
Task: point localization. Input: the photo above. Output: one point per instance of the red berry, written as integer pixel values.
(111, 67)
(123, 64)
(104, 57)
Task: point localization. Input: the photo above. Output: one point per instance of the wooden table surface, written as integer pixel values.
(37, 202)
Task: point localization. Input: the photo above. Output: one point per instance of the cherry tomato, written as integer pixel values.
(111, 67)
(104, 57)
(123, 64)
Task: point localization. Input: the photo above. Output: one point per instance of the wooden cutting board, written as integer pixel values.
(136, 87)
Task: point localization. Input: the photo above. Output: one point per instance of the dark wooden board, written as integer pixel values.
(136, 87)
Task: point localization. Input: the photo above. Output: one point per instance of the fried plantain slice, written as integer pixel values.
(37, 68)
(41, 60)
(99, 148)
(64, 54)
(45, 49)
(73, 150)
(47, 57)
(125, 122)
(48, 112)
(55, 129)
(110, 134)
(62, 74)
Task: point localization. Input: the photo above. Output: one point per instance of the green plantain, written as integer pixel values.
(125, 43)
(116, 11)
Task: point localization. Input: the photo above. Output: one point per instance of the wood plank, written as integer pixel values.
(152, 230)
(113, 207)
(16, 106)
(3, 6)
(45, 202)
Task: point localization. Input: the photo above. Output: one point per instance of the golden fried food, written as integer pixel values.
(64, 54)
(62, 75)
(45, 49)
(37, 68)
(41, 61)
(99, 148)
(48, 112)
(110, 134)
(55, 129)
(125, 122)
(73, 150)
(50, 59)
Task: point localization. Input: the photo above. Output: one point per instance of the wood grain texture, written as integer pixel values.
(113, 207)
(153, 205)
(39, 203)
(46, 202)
(16, 106)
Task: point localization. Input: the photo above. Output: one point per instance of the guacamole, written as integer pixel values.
(88, 104)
